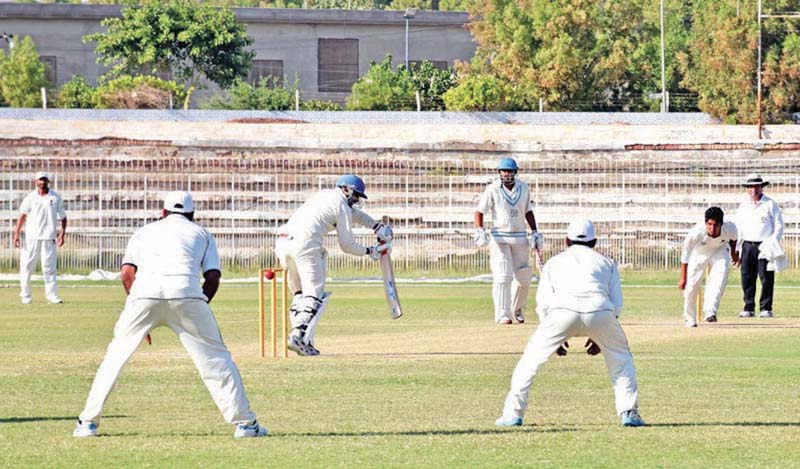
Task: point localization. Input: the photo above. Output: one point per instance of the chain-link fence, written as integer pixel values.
(642, 201)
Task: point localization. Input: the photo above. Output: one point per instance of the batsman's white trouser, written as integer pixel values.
(46, 248)
(720, 263)
(306, 266)
(508, 262)
(196, 327)
(560, 325)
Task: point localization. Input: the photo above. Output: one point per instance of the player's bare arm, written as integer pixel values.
(18, 228)
(61, 233)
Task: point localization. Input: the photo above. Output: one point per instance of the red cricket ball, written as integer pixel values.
(270, 274)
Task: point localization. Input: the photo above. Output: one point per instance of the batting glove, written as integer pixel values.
(481, 237)
(537, 240)
(384, 232)
(375, 252)
(561, 351)
(592, 348)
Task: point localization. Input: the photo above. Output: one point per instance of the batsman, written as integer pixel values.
(509, 201)
(300, 249)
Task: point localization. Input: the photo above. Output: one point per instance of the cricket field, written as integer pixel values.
(421, 391)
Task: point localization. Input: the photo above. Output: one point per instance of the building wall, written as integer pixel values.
(287, 35)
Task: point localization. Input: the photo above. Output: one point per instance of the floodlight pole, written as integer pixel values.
(663, 65)
(409, 13)
(758, 74)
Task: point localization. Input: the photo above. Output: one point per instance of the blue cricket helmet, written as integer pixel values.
(354, 183)
(508, 164)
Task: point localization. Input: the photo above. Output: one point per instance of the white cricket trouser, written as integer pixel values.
(720, 263)
(506, 261)
(306, 266)
(196, 327)
(560, 325)
(46, 248)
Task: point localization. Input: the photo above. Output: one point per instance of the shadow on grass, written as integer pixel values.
(47, 419)
(725, 424)
(494, 431)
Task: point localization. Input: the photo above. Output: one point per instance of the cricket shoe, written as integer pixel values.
(504, 321)
(711, 318)
(26, 300)
(690, 323)
(253, 430)
(631, 418)
(765, 314)
(519, 316)
(511, 422)
(55, 300)
(296, 345)
(747, 314)
(85, 429)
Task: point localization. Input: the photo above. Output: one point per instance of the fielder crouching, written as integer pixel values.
(161, 273)
(579, 294)
(300, 249)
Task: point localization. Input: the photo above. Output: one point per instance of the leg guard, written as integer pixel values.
(312, 325)
(519, 292)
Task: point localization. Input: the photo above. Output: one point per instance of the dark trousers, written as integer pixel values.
(753, 267)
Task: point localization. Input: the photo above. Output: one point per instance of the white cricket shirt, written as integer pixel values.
(508, 209)
(579, 279)
(698, 243)
(758, 221)
(323, 212)
(170, 256)
(43, 213)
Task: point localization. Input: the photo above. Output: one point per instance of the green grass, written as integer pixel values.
(420, 391)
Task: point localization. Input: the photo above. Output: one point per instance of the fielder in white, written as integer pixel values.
(161, 274)
(300, 250)
(40, 213)
(579, 294)
(711, 244)
(508, 200)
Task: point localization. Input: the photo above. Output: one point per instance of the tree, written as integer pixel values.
(432, 84)
(480, 93)
(194, 41)
(720, 64)
(267, 95)
(381, 89)
(77, 93)
(573, 54)
(22, 75)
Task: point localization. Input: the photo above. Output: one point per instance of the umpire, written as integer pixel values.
(758, 219)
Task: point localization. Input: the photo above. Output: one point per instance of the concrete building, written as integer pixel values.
(325, 50)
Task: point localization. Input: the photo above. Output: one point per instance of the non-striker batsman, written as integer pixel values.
(508, 200)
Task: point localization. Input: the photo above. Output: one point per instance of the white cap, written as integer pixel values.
(581, 229)
(42, 175)
(179, 202)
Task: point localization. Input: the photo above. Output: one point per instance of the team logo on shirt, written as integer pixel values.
(513, 213)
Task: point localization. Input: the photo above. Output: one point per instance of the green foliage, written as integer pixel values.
(432, 83)
(383, 89)
(77, 93)
(573, 54)
(193, 41)
(268, 95)
(139, 92)
(317, 105)
(480, 93)
(22, 75)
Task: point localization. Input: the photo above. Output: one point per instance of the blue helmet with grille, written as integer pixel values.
(507, 164)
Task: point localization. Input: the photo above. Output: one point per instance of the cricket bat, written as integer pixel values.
(390, 287)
